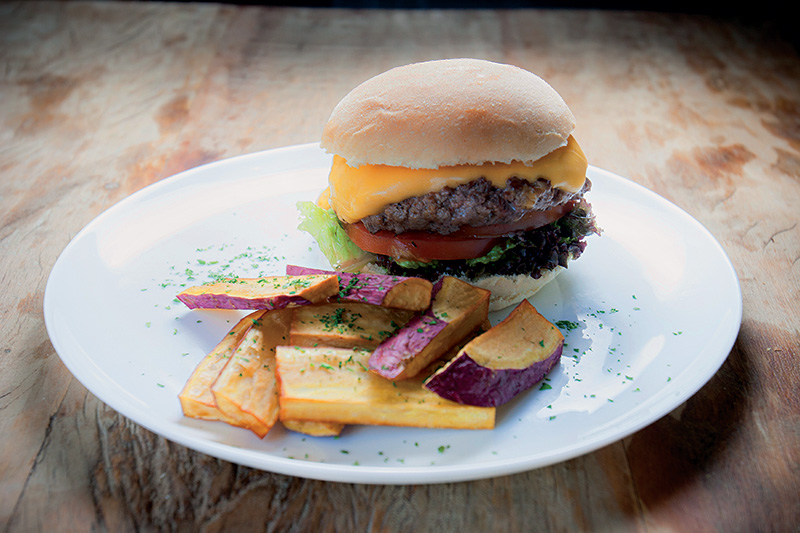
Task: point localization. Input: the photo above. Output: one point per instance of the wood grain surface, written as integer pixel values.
(98, 100)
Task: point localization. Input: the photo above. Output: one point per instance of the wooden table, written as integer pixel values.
(100, 99)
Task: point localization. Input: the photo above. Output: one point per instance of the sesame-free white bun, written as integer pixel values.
(510, 290)
(448, 112)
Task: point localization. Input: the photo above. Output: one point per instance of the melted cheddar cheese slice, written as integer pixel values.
(358, 192)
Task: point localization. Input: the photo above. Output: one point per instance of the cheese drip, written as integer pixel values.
(358, 192)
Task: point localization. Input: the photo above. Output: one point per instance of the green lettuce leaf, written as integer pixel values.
(494, 254)
(324, 226)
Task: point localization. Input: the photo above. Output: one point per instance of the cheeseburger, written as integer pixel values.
(458, 167)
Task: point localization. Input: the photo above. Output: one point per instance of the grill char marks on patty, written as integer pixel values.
(477, 203)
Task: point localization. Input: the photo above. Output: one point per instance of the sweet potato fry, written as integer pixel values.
(346, 325)
(197, 400)
(499, 364)
(413, 294)
(335, 385)
(272, 292)
(246, 390)
(314, 429)
(457, 309)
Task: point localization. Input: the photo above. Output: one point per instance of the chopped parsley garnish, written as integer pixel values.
(567, 325)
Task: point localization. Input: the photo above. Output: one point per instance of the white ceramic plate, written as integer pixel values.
(655, 299)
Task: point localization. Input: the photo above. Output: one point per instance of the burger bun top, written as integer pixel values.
(448, 112)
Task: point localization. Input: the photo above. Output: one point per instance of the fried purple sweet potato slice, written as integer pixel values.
(270, 292)
(413, 294)
(456, 310)
(508, 359)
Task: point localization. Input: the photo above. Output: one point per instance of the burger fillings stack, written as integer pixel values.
(458, 167)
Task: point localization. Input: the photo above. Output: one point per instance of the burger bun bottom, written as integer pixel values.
(510, 290)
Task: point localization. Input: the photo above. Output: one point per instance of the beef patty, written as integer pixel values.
(477, 203)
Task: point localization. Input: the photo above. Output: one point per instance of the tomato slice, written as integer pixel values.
(466, 243)
(419, 245)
